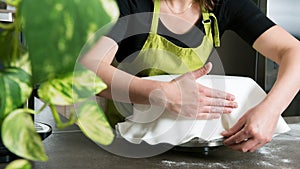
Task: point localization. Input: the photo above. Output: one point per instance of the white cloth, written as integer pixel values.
(155, 125)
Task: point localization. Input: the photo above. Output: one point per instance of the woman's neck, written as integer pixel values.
(179, 6)
(179, 23)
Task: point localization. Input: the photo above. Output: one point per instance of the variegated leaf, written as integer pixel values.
(71, 88)
(19, 164)
(20, 137)
(15, 87)
(93, 123)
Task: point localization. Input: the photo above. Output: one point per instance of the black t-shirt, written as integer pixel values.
(133, 26)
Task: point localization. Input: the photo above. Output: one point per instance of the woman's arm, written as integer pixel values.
(281, 47)
(182, 95)
(258, 124)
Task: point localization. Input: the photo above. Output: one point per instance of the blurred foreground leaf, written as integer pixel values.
(56, 30)
(93, 123)
(20, 137)
(19, 164)
(15, 87)
(71, 88)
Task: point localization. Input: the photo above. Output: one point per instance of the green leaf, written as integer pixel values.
(71, 88)
(6, 47)
(15, 87)
(20, 137)
(56, 30)
(11, 47)
(93, 123)
(19, 164)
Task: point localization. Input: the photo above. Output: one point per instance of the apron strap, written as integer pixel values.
(216, 31)
(155, 18)
(207, 25)
(206, 22)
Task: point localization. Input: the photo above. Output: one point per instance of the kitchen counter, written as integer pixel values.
(70, 149)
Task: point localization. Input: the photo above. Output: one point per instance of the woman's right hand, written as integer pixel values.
(186, 97)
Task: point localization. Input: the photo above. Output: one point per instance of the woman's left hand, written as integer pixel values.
(253, 130)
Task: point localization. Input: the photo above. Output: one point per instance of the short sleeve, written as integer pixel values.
(247, 20)
(124, 7)
(119, 29)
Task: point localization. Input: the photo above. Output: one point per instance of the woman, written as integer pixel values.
(168, 42)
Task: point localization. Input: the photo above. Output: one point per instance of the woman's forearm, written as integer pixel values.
(287, 84)
(125, 87)
(281, 47)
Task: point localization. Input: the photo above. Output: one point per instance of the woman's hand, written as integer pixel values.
(186, 97)
(253, 130)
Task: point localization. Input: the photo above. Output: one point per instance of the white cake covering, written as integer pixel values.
(155, 125)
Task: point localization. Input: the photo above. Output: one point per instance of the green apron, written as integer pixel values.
(160, 56)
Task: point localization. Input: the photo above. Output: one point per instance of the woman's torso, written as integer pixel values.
(132, 29)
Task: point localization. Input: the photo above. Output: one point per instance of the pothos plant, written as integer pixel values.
(55, 31)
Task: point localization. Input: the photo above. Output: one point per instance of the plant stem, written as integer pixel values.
(7, 26)
(59, 123)
(42, 108)
(16, 39)
(31, 111)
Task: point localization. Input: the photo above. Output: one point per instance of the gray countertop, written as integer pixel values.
(70, 149)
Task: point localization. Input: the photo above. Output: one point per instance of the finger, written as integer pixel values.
(257, 146)
(215, 109)
(244, 146)
(202, 71)
(207, 116)
(239, 137)
(209, 92)
(217, 102)
(233, 130)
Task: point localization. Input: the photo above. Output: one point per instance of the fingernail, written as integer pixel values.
(232, 97)
(208, 66)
